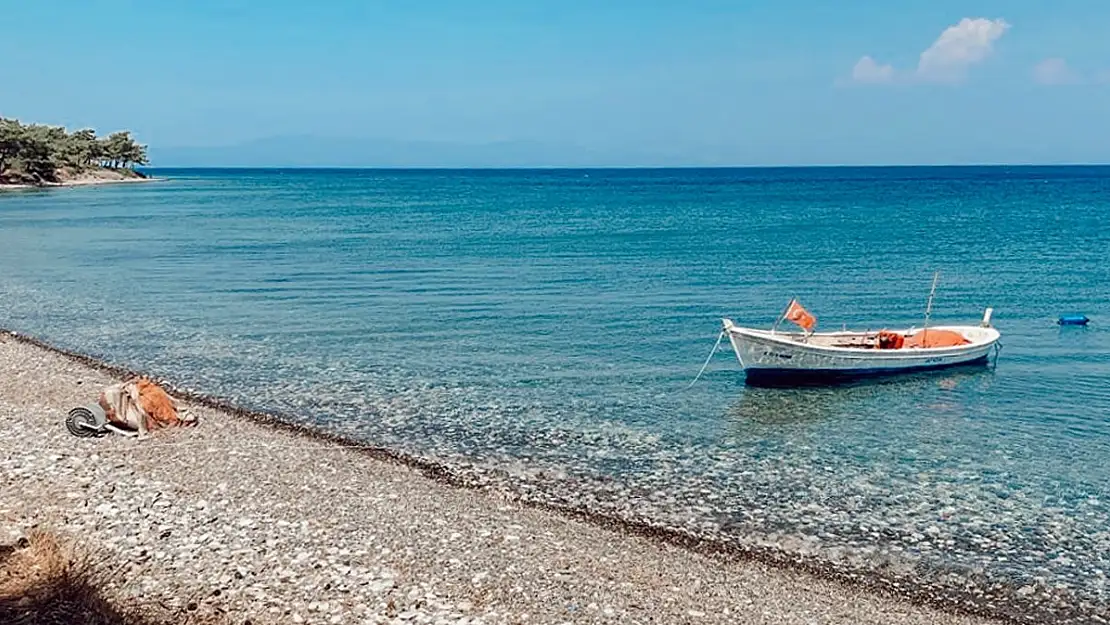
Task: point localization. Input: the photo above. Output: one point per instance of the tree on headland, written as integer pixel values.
(13, 138)
(81, 147)
(136, 155)
(120, 150)
(36, 153)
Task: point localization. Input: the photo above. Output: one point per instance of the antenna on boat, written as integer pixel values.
(929, 305)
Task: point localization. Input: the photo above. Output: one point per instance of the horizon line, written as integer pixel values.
(630, 167)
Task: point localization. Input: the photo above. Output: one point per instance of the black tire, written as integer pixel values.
(76, 421)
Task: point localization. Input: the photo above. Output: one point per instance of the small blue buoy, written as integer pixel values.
(1073, 320)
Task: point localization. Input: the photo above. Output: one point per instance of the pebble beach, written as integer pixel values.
(244, 522)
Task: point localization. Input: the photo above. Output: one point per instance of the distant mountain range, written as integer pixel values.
(309, 151)
(322, 151)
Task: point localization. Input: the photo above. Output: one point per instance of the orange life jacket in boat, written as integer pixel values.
(891, 340)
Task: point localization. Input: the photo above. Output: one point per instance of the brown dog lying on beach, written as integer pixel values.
(139, 405)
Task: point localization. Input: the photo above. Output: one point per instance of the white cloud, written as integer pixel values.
(1054, 71)
(867, 70)
(948, 59)
(958, 48)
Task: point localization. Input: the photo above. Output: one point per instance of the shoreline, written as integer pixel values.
(83, 182)
(775, 567)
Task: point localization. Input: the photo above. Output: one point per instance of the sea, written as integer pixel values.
(542, 328)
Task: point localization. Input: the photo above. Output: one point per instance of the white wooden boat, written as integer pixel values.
(775, 356)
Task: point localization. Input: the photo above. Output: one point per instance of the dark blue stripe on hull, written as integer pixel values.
(796, 377)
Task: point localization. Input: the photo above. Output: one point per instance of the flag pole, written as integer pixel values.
(783, 315)
(929, 308)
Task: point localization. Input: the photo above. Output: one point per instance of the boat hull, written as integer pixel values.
(776, 358)
(796, 377)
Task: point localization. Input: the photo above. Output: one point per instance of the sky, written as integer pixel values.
(569, 82)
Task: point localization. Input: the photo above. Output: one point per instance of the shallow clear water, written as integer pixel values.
(547, 323)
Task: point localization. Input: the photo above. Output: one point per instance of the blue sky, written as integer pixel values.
(618, 82)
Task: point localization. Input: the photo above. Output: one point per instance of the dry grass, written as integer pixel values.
(46, 581)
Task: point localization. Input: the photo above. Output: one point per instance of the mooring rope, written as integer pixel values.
(709, 358)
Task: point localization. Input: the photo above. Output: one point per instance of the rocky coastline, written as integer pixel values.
(83, 178)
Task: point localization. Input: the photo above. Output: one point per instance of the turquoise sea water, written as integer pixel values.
(544, 325)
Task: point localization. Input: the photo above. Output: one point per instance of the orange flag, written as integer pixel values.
(800, 316)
